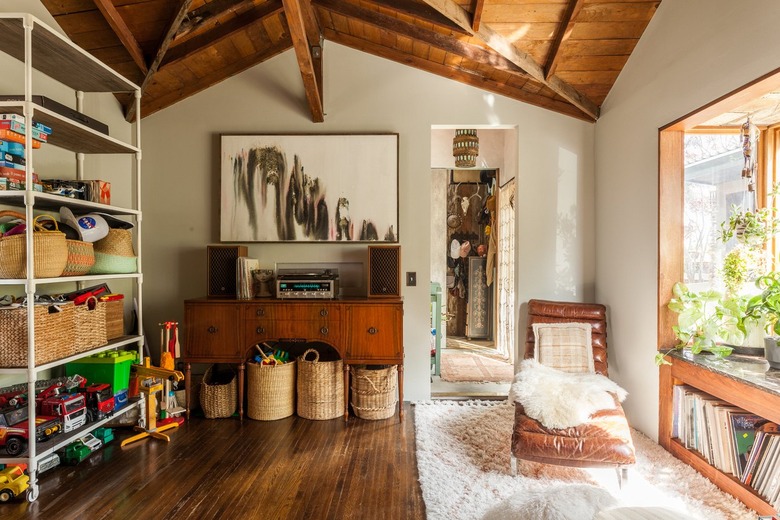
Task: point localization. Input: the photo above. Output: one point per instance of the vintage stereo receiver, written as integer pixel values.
(309, 285)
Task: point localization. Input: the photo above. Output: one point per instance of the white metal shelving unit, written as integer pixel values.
(41, 48)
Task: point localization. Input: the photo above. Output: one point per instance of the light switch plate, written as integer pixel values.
(411, 279)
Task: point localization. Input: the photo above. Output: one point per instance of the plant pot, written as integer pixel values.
(772, 351)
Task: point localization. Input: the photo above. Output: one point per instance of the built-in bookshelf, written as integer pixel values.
(719, 416)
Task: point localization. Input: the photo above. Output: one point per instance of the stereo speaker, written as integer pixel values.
(384, 271)
(222, 262)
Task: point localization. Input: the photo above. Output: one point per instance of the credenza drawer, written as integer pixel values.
(212, 332)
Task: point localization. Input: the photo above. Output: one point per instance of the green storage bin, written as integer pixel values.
(112, 367)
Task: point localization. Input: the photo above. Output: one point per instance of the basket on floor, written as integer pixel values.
(218, 395)
(54, 334)
(50, 250)
(320, 387)
(90, 323)
(374, 391)
(270, 390)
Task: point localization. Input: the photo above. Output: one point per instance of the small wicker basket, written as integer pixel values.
(90, 322)
(374, 391)
(115, 319)
(320, 387)
(50, 250)
(218, 400)
(54, 334)
(270, 390)
(81, 258)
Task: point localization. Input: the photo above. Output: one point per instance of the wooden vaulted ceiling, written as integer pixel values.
(563, 55)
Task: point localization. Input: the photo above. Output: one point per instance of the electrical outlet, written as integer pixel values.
(411, 279)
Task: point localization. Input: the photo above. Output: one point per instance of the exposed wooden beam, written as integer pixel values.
(208, 13)
(316, 42)
(170, 34)
(123, 32)
(457, 74)
(219, 33)
(293, 11)
(418, 11)
(477, 16)
(152, 105)
(563, 33)
(460, 16)
(415, 32)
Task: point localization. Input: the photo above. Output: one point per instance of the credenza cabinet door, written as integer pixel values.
(374, 332)
(212, 332)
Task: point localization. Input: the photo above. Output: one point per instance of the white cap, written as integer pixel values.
(91, 227)
(455, 249)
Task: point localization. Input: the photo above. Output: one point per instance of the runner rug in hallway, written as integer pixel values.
(465, 366)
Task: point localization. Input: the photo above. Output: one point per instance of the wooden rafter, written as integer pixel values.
(564, 31)
(436, 39)
(123, 32)
(477, 16)
(418, 11)
(460, 16)
(294, 11)
(209, 12)
(314, 36)
(456, 74)
(219, 33)
(170, 34)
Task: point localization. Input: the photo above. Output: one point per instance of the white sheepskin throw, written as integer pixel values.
(560, 399)
(554, 502)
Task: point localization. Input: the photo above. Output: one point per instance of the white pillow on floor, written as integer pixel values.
(642, 513)
(554, 502)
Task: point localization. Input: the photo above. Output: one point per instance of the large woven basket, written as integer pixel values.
(50, 250)
(218, 400)
(320, 387)
(270, 391)
(374, 391)
(81, 258)
(90, 322)
(54, 335)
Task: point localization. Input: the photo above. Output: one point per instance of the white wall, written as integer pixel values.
(362, 94)
(693, 52)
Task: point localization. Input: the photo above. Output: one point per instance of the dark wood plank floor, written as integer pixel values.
(291, 468)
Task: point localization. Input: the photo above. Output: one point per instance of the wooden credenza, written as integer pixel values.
(361, 330)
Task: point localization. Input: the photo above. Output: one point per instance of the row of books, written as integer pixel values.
(735, 441)
(244, 278)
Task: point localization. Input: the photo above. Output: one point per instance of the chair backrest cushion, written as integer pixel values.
(543, 311)
(564, 346)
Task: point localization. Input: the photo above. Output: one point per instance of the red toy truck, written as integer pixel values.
(14, 429)
(70, 408)
(100, 401)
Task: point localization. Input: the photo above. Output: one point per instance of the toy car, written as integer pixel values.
(75, 452)
(91, 442)
(48, 462)
(106, 435)
(13, 482)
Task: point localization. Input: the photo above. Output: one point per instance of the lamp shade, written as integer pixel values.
(465, 148)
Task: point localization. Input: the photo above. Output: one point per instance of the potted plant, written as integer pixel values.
(767, 305)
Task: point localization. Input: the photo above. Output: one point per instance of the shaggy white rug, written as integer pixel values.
(463, 460)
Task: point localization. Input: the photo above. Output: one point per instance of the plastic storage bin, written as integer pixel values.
(111, 367)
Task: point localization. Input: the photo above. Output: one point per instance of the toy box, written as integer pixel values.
(120, 399)
(112, 367)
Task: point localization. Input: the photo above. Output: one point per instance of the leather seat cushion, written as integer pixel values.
(604, 440)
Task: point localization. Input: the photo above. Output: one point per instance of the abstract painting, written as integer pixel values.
(309, 188)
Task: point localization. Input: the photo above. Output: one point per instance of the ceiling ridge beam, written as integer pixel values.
(123, 32)
(203, 41)
(170, 34)
(294, 12)
(440, 41)
(460, 16)
(459, 75)
(561, 36)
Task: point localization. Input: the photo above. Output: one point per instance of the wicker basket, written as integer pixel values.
(114, 253)
(90, 323)
(81, 258)
(374, 391)
(115, 319)
(51, 251)
(54, 335)
(270, 390)
(320, 387)
(218, 400)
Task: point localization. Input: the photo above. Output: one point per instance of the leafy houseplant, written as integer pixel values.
(767, 305)
(705, 320)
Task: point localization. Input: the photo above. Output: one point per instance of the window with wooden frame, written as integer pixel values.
(700, 164)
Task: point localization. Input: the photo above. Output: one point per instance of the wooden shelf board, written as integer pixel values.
(114, 343)
(52, 202)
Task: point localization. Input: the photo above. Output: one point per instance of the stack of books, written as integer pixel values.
(13, 165)
(733, 440)
(245, 288)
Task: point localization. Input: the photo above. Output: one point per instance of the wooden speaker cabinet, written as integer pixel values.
(384, 271)
(222, 270)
